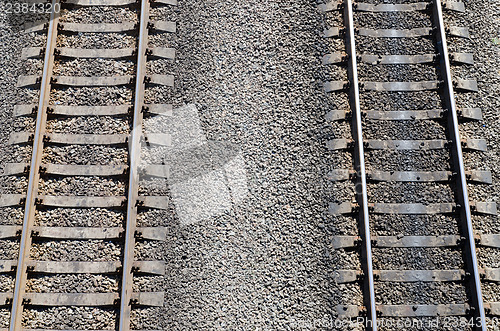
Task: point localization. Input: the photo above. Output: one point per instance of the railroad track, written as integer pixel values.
(417, 242)
(103, 221)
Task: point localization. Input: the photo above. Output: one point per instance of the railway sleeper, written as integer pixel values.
(404, 115)
(402, 276)
(492, 308)
(460, 84)
(417, 6)
(117, 110)
(150, 299)
(454, 31)
(106, 3)
(375, 144)
(423, 310)
(83, 233)
(93, 3)
(98, 27)
(342, 208)
(84, 267)
(488, 240)
(339, 242)
(479, 176)
(102, 53)
(457, 58)
(490, 274)
(156, 202)
(104, 81)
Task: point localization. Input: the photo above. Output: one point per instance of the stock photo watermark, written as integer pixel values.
(403, 323)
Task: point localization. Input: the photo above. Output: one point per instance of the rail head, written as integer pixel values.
(465, 212)
(360, 161)
(134, 155)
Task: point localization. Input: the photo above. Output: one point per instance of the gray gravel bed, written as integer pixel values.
(161, 12)
(93, 67)
(154, 186)
(89, 124)
(158, 94)
(9, 249)
(76, 283)
(85, 154)
(33, 67)
(334, 72)
(7, 283)
(343, 259)
(160, 66)
(11, 215)
(92, 217)
(70, 318)
(33, 39)
(403, 130)
(417, 258)
(339, 225)
(148, 318)
(82, 186)
(13, 185)
(149, 284)
(371, 100)
(413, 225)
(386, 160)
(97, 40)
(18, 154)
(4, 317)
(488, 257)
(476, 159)
(346, 294)
(26, 96)
(486, 223)
(457, 44)
(479, 192)
(395, 46)
(338, 160)
(149, 250)
(255, 82)
(98, 14)
(91, 96)
(336, 101)
(396, 72)
(159, 39)
(334, 18)
(338, 129)
(425, 293)
(392, 20)
(392, 192)
(491, 291)
(155, 217)
(340, 191)
(75, 250)
(23, 123)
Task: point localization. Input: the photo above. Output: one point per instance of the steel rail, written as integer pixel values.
(34, 175)
(133, 185)
(463, 196)
(359, 159)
